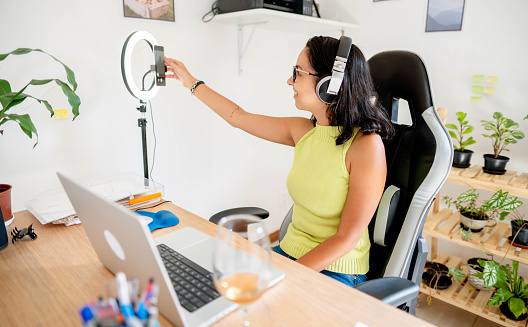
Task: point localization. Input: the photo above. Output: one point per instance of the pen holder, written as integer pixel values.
(124, 305)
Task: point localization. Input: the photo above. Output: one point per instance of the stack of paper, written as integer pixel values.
(55, 207)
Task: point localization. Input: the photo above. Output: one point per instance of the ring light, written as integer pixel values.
(126, 65)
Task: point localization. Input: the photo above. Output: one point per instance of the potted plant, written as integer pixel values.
(519, 229)
(439, 277)
(512, 289)
(9, 99)
(476, 216)
(504, 132)
(473, 269)
(462, 156)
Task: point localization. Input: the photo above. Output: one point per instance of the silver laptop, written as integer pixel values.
(123, 242)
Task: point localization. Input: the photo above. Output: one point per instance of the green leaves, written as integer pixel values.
(20, 51)
(461, 130)
(468, 195)
(457, 274)
(504, 132)
(511, 288)
(10, 99)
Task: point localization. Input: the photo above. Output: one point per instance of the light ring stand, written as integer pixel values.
(126, 65)
(143, 95)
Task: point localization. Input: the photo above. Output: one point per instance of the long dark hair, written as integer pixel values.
(353, 105)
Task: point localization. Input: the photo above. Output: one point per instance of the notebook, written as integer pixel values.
(123, 242)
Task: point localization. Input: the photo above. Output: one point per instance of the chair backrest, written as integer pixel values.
(418, 161)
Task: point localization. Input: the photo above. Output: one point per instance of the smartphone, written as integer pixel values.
(160, 65)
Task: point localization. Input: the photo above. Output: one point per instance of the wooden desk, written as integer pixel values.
(45, 282)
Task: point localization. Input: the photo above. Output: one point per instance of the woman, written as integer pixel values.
(338, 173)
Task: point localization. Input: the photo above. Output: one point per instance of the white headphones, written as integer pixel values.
(328, 85)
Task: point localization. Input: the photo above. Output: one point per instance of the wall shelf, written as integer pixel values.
(276, 20)
(282, 21)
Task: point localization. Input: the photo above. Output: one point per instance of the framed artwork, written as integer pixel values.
(444, 15)
(149, 9)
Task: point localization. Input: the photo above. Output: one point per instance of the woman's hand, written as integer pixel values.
(176, 69)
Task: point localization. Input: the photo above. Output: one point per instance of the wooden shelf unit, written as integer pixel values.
(445, 224)
(465, 296)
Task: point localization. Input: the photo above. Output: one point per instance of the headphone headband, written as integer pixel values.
(328, 85)
(338, 71)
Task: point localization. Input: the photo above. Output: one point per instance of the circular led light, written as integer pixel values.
(126, 64)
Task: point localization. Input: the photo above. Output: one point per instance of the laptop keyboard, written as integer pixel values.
(193, 284)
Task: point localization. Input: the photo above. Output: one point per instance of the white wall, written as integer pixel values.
(206, 165)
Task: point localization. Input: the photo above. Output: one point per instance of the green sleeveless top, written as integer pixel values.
(318, 184)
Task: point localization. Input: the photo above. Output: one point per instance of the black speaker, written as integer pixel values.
(3, 232)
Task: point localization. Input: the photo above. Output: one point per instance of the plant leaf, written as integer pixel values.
(73, 99)
(461, 116)
(511, 203)
(5, 87)
(14, 96)
(489, 273)
(20, 51)
(457, 274)
(467, 196)
(517, 306)
(497, 115)
(25, 123)
(451, 126)
(468, 129)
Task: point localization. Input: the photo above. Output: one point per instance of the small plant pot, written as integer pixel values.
(495, 166)
(436, 276)
(462, 159)
(475, 268)
(522, 234)
(476, 225)
(5, 203)
(505, 309)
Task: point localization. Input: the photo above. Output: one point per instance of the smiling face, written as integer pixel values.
(304, 88)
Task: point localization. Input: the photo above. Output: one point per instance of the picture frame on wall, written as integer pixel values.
(444, 15)
(149, 9)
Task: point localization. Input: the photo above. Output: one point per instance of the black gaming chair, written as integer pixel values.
(418, 162)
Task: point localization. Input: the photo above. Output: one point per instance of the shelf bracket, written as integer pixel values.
(241, 47)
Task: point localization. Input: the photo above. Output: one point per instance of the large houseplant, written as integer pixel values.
(504, 131)
(475, 216)
(462, 156)
(9, 99)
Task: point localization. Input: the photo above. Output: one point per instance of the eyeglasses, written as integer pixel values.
(295, 70)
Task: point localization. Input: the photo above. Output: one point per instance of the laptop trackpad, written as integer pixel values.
(201, 253)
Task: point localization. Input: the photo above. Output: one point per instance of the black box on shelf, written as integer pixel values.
(302, 7)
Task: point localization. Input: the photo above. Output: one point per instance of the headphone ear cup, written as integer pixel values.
(322, 87)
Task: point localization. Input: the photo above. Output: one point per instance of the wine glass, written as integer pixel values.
(241, 260)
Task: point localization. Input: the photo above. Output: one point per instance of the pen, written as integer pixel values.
(124, 301)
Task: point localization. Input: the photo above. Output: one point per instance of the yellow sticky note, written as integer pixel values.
(476, 99)
(492, 79)
(477, 88)
(61, 113)
(489, 90)
(478, 78)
